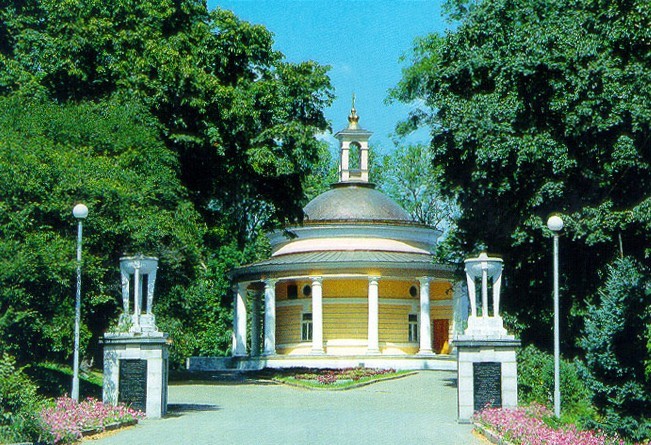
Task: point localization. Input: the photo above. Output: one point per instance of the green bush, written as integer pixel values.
(19, 404)
(615, 344)
(536, 384)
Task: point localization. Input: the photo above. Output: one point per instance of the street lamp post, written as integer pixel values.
(80, 212)
(555, 224)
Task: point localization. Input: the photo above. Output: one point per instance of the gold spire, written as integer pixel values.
(353, 119)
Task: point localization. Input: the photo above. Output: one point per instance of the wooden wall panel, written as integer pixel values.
(345, 321)
(394, 323)
(288, 324)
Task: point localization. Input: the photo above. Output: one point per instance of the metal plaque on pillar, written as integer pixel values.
(132, 383)
(487, 385)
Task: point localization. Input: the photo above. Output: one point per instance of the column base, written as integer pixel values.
(426, 353)
(373, 351)
(318, 352)
(268, 353)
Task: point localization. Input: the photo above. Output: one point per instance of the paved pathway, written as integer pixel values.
(418, 409)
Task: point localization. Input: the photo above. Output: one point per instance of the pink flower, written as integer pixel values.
(526, 425)
(67, 419)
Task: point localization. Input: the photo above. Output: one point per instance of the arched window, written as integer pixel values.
(355, 156)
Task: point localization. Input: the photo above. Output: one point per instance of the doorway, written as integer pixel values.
(440, 337)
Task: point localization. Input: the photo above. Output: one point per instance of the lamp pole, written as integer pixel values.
(555, 224)
(80, 212)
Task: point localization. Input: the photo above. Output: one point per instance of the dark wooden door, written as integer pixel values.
(441, 330)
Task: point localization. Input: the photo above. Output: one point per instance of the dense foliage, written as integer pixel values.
(536, 385)
(241, 119)
(542, 106)
(109, 156)
(185, 133)
(19, 404)
(408, 175)
(536, 107)
(614, 344)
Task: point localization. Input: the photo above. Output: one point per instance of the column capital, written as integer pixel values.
(424, 280)
(374, 278)
(316, 279)
(240, 285)
(270, 281)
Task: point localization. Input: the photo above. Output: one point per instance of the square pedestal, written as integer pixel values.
(135, 372)
(487, 375)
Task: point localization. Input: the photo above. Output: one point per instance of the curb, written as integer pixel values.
(490, 435)
(109, 427)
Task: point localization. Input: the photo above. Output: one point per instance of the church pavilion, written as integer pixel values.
(355, 284)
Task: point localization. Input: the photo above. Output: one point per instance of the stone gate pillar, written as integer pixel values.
(486, 354)
(136, 353)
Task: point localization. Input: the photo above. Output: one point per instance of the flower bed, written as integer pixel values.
(331, 376)
(67, 420)
(532, 425)
(338, 378)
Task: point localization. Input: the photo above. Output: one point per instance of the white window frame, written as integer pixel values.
(413, 335)
(306, 326)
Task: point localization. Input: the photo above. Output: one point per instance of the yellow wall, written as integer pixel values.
(394, 323)
(281, 289)
(288, 324)
(345, 321)
(345, 288)
(345, 324)
(440, 290)
(396, 289)
(358, 288)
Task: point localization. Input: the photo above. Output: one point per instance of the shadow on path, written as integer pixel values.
(178, 409)
(219, 378)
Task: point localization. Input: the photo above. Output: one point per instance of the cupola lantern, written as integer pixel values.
(353, 140)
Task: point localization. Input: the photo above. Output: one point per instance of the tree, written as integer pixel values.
(109, 156)
(615, 344)
(535, 107)
(408, 176)
(324, 174)
(240, 118)
(214, 141)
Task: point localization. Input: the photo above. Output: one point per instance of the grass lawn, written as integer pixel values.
(55, 380)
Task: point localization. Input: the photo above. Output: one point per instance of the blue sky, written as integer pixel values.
(362, 40)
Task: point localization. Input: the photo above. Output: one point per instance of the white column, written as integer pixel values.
(425, 323)
(472, 294)
(460, 308)
(344, 168)
(125, 292)
(497, 284)
(373, 316)
(270, 317)
(137, 295)
(363, 156)
(239, 320)
(151, 283)
(317, 315)
(484, 290)
(255, 325)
